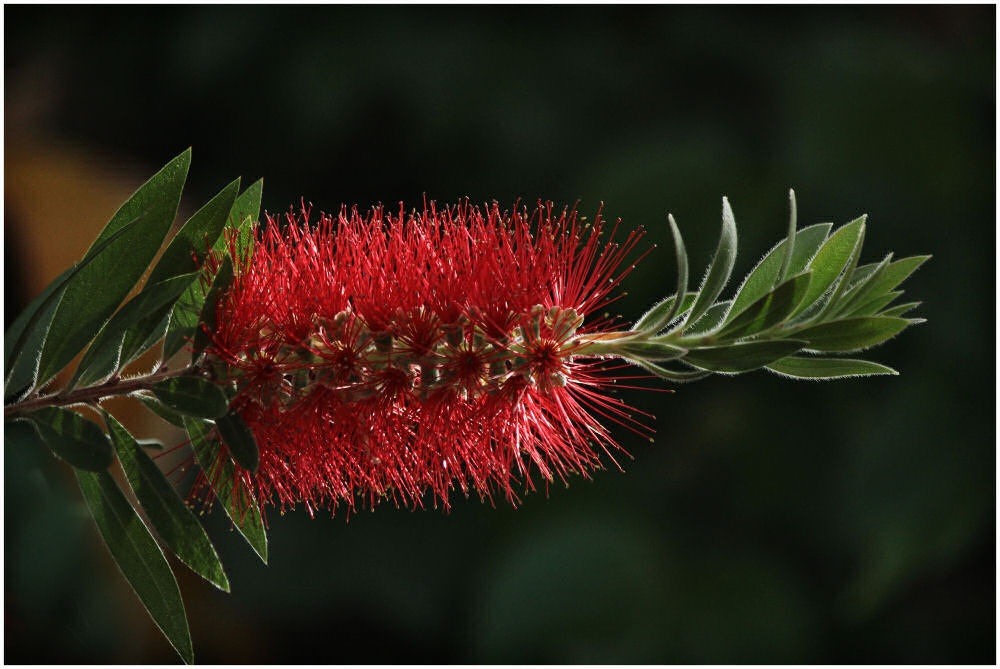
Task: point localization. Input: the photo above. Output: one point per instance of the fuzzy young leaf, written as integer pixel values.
(765, 275)
(827, 368)
(169, 515)
(721, 267)
(901, 309)
(769, 310)
(852, 334)
(192, 396)
(873, 306)
(92, 296)
(678, 376)
(73, 438)
(138, 557)
(102, 358)
(652, 351)
(742, 357)
(711, 319)
(240, 440)
(663, 313)
(237, 501)
(660, 311)
(831, 260)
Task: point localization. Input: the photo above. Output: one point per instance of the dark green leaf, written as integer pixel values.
(21, 373)
(769, 310)
(161, 410)
(827, 368)
(863, 288)
(92, 296)
(191, 396)
(138, 557)
(101, 359)
(742, 357)
(721, 267)
(660, 311)
(831, 260)
(220, 284)
(237, 500)
(73, 438)
(20, 432)
(246, 211)
(186, 251)
(654, 351)
(169, 516)
(885, 278)
(852, 334)
(807, 243)
(17, 328)
(901, 309)
(240, 440)
(133, 347)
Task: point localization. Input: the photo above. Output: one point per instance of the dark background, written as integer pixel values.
(772, 521)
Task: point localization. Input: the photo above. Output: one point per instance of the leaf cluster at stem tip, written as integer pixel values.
(807, 302)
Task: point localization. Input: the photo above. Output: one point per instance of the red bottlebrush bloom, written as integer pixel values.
(401, 355)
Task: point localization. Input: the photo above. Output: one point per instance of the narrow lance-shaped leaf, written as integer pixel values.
(873, 306)
(653, 351)
(170, 516)
(21, 373)
(73, 438)
(765, 275)
(793, 219)
(836, 299)
(769, 310)
(711, 319)
(831, 260)
(206, 321)
(742, 357)
(660, 310)
(161, 410)
(721, 267)
(240, 440)
(138, 557)
(852, 334)
(827, 368)
(184, 318)
(901, 309)
(94, 294)
(184, 255)
(191, 396)
(677, 376)
(102, 358)
(238, 501)
(660, 316)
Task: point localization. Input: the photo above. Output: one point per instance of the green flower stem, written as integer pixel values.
(93, 394)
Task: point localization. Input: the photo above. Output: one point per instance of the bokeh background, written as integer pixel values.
(771, 521)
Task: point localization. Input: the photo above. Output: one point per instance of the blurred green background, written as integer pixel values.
(771, 521)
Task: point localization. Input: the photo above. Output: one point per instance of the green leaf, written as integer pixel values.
(765, 275)
(769, 310)
(872, 307)
(900, 309)
(20, 432)
(186, 251)
(721, 267)
(240, 440)
(246, 211)
(653, 351)
(663, 313)
(161, 410)
(863, 287)
(167, 512)
(73, 438)
(827, 368)
(886, 277)
(93, 295)
(678, 376)
(19, 325)
(21, 372)
(711, 319)
(138, 557)
(184, 318)
(660, 311)
(133, 347)
(831, 260)
(223, 279)
(191, 396)
(238, 502)
(852, 334)
(742, 357)
(101, 359)
(793, 218)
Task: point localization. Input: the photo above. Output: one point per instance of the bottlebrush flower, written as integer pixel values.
(401, 356)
